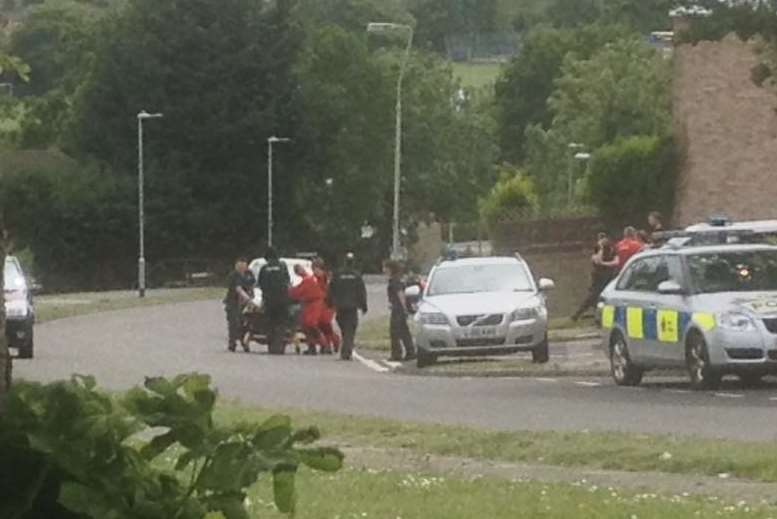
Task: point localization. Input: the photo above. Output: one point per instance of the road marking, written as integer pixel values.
(729, 395)
(374, 366)
(679, 391)
(588, 384)
(541, 379)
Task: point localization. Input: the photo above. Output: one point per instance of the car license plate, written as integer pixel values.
(479, 332)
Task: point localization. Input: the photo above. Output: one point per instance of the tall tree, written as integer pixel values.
(438, 19)
(55, 40)
(222, 74)
(528, 81)
(621, 91)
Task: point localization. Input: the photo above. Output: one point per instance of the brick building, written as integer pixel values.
(727, 127)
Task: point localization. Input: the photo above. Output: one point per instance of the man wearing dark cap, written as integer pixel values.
(348, 295)
(274, 282)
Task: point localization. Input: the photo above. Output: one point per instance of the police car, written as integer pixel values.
(709, 306)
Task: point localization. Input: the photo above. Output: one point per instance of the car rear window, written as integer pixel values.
(469, 279)
(13, 277)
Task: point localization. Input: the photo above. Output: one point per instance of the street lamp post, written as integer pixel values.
(142, 116)
(270, 142)
(396, 252)
(574, 146)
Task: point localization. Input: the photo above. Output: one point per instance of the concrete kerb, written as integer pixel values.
(412, 370)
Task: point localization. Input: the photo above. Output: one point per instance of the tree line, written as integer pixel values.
(230, 74)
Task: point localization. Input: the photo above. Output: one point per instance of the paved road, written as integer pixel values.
(121, 348)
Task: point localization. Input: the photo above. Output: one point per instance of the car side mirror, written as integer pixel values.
(413, 292)
(35, 287)
(670, 287)
(546, 285)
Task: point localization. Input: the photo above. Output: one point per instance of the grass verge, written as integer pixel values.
(353, 493)
(594, 450)
(53, 307)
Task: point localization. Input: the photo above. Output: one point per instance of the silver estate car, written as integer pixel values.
(709, 309)
(481, 306)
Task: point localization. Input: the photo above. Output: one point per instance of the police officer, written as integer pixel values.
(348, 295)
(274, 282)
(399, 331)
(238, 294)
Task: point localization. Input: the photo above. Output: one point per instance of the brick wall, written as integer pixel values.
(558, 249)
(727, 127)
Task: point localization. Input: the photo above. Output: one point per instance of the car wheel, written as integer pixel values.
(541, 354)
(697, 359)
(623, 370)
(425, 359)
(26, 350)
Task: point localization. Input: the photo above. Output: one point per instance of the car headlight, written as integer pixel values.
(433, 318)
(736, 321)
(16, 309)
(525, 314)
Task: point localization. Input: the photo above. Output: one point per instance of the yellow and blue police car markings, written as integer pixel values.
(650, 323)
(664, 325)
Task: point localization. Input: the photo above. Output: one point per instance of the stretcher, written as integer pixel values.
(255, 327)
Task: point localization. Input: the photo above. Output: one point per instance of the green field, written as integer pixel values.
(476, 75)
(353, 493)
(591, 450)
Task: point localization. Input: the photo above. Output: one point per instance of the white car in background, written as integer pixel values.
(255, 323)
(256, 266)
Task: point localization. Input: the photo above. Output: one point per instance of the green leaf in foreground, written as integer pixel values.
(325, 459)
(84, 446)
(283, 488)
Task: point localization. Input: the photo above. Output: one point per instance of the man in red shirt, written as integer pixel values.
(628, 246)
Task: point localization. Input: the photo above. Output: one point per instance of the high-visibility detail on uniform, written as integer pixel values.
(634, 324)
(668, 326)
(704, 320)
(608, 317)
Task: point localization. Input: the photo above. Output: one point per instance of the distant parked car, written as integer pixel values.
(19, 309)
(481, 306)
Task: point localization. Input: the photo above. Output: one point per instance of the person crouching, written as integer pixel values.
(311, 296)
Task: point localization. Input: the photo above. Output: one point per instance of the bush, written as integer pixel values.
(78, 221)
(69, 451)
(631, 177)
(512, 197)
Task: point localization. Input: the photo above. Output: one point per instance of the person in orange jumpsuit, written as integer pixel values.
(310, 294)
(329, 338)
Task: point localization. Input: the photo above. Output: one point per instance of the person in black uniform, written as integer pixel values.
(274, 282)
(605, 267)
(239, 288)
(348, 295)
(400, 333)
